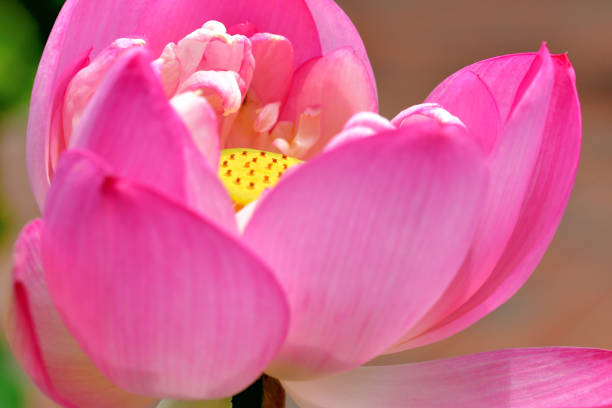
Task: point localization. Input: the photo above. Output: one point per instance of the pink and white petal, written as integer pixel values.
(87, 81)
(511, 162)
(338, 85)
(514, 378)
(43, 345)
(201, 121)
(169, 68)
(131, 125)
(210, 48)
(273, 67)
(355, 239)
(221, 88)
(235, 55)
(162, 300)
(369, 120)
(424, 112)
(191, 49)
(361, 125)
(468, 97)
(548, 193)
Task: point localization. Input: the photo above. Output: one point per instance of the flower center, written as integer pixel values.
(246, 173)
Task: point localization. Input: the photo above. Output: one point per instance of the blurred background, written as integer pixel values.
(413, 46)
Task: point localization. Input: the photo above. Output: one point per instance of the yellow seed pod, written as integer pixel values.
(246, 173)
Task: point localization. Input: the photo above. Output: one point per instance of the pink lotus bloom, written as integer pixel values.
(173, 260)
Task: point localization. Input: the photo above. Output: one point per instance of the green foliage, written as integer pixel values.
(4, 222)
(11, 391)
(19, 52)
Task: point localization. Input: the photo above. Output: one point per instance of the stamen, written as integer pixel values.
(246, 173)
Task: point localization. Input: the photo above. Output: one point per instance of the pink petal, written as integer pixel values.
(169, 68)
(548, 193)
(338, 85)
(515, 378)
(356, 239)
(43, 345)
(361, 125)
(164, 302)
(45, 141)
(221, 88)
(468, 97)
(336, 31)
(210, 48)
(247, 29)
(369, 120)
(266, 117)
(201, 120)
(86, 82)
(273, 67)
(132, 126)
(512, 162)
(425, 111)
(83, 25)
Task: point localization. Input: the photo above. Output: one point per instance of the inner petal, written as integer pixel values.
(244, 76)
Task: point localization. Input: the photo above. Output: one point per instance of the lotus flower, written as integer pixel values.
(221, 200)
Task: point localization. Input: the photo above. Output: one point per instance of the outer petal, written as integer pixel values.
(43, 345)
(512, 162)
(163, 301)
(132, 126)
(338, 85)
(548, 193)
(45, 140)
(336, 30)
(468, 97)
(356, 239)
(518, 378)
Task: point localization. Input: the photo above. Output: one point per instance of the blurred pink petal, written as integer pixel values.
(355, 239)
(338, 86)
(515, 378)
(43, 345)
(133, 127)
(549, 188)
(164, 302)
